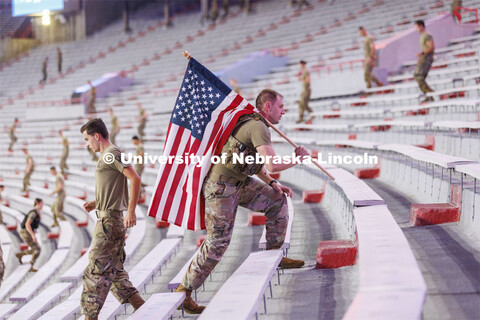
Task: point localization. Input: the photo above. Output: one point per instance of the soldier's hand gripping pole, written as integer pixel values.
(284, 136)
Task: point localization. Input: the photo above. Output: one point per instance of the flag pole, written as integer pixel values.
(293, 144)
(188, 56)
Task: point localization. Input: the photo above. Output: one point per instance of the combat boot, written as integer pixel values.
(136, 301)
(189, 305)
(32, 269)
(288, 263)
(19, 256)
(91, 318)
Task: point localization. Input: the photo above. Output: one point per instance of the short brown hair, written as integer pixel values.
(95, 126)
(266, 95)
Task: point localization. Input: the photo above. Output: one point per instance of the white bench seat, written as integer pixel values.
(15, 278)
(389, 272)
(175, 231)
(472, 170)
(35, 307)
(32, 285)
(440, 159)
(247, 284)
(6, 309)
(356, 190)
(159, 305)
(66, 309)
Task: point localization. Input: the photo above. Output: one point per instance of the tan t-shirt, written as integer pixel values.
(60, 182)
(305, 75)
(114, 123)
(252, 134)
(140, 150)
(424, 39)
(111, 188)
(29, 157)
(367, 46)
(65, 145)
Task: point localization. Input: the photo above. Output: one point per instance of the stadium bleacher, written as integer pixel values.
(428, 156)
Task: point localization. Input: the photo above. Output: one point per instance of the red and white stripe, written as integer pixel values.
(177, 197)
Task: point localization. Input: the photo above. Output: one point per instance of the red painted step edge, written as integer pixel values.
(336, 254)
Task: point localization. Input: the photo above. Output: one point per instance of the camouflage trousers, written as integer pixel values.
(303, 103)
(141, 128)
(63, 163)
(105, 268)
(57, 206)
(421, 72)
(221, 203)
(26, 180)
(13, 139)
(368, 75)
(2, 265)
(34, 247)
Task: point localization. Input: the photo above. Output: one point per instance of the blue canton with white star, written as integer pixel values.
(199, 96)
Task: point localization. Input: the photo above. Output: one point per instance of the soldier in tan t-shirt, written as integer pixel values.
(115, 126)
(370, 58)
(304, 76)
(229, 185)
(65, 152)
(11, 133)
(57, 205)
(425, 59)
(28, 170)
(105, 270)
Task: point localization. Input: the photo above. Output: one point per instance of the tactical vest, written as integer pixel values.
(35, 223)
(234, 146)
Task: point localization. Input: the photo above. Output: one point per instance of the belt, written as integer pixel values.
(109, 213)
(224, 179)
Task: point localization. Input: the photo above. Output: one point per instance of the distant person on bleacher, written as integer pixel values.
(203, 11)
(27, 232)
(92, 97)
(455, 5)
(245, 5)
(139, 167)
(44, 70)
(304, 76)
(115, 126)
(229, 185)
(28, 169)
(214, 12)
(425, 59)
(65, 152)
(300, 3)
(226, 7)
(11, 133)
(143, 117)
(235, 87)
(105, 270)
(59, 60)
(370, 58)
(57, 205)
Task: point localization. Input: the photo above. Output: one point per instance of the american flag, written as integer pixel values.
(205, 112)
